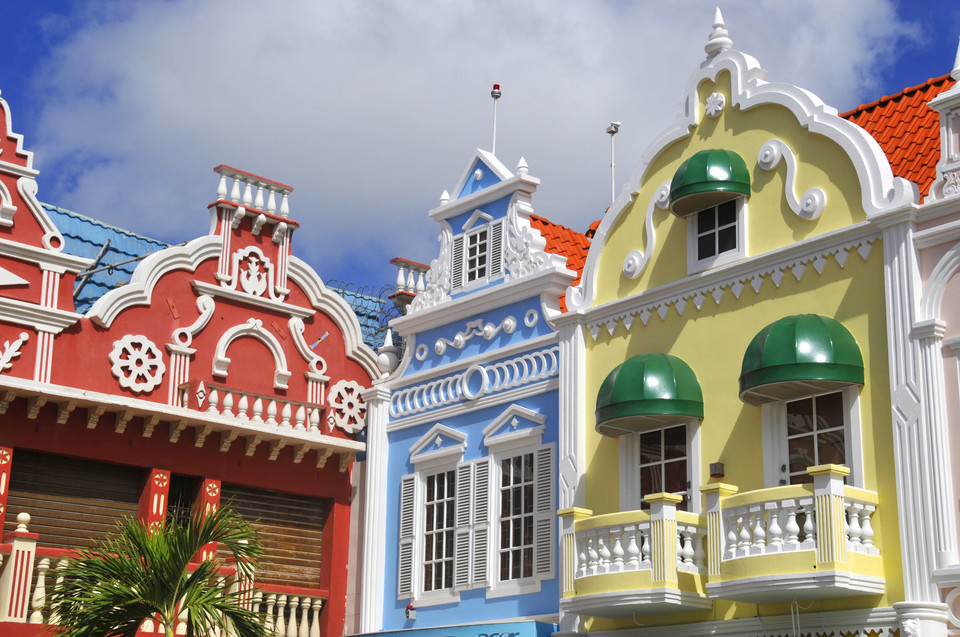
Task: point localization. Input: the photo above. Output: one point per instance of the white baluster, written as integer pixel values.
(633, 552)
(258, 202)
(679, 549)
(866, 526)
(809, 528)
(731, 543)
(227, 404)
(222, 187)
(688, 551)
(301, 418)
(272, 201)
(618, 550)
(247, 193)
(235, 190)
(243, 405)
(699, 555)
(645, 547)
(270, 619)
(582, 558)
(759, 534)
(285, 415)
(604, 554)
(315, 419)
(594, 557)
(294, 602)
(304, 617)
(39, 592)
(401, 278)
(420, 285)
(853, 525)
(212, 401)
(54, 619)
(280, 627)
(284, 206)
(744, 523)
(792, 528)
(257, 416)
(315, 620)
(773, 529)
(411, 281)
(272, 413)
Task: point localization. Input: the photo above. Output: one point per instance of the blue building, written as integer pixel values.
(462, 463)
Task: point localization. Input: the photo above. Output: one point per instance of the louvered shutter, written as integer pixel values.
(456, 269)
(545, 515)
(481, 522)
(496, 249)
(462, 542)
(405, 566)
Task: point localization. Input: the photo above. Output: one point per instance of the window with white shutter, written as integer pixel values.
(405, 566)
(477, 255)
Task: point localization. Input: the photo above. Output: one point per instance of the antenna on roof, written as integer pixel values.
(495, 94)
(612, 130)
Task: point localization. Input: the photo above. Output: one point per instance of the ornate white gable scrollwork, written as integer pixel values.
(254, 328)
(11, 350)
(347, 409)
(811, 204)
(523, 251)
(137, 363)
(438, 277)
(253, 273)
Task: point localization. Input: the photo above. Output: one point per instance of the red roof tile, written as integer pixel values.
(907, 130)
(565, 242)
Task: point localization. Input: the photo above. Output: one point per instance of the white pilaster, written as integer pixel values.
(572, 414)
(373, 549)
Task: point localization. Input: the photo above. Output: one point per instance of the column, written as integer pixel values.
(372, 549)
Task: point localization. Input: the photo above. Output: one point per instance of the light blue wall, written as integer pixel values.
(488, 179)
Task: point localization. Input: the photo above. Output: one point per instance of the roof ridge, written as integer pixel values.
(889, 98)
(102, 224)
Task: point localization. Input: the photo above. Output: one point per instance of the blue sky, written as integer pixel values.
(371, 109)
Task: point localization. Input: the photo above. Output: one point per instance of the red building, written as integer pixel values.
(223, 370)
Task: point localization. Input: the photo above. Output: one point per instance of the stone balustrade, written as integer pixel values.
(251, 190)
(258, 409)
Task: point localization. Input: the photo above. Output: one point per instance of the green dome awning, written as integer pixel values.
(646, 392)
(799, 356)
(708, 178)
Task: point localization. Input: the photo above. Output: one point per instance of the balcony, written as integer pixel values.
(809, 541)
(28, 570)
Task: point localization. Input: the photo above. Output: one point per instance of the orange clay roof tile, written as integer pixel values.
(565, 242)
(907, 129)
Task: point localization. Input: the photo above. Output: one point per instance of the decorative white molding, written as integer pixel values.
(255, 329)
(42, 319)
(504, 430)
(11, 350)
(523, 250)
(44, 258)
(137, 363)
(347, 407)
(813, 201)
(287, 309)
(528, 368)
(315, 362)
(475, 328)
(714, 104)
(28, 155)
(148, 272)
(253, 273)
(52, 239)
(881, 191)
(7, 209)
(636, 262)
(734, 278)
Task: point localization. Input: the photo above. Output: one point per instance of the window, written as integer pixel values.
(716, 235)
(477, 255)
(516, 517)
(439, 527)
(661, 460)
(663, 464)
(811, 431)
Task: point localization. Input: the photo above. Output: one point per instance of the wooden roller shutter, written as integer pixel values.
(71, 501)
(292, 530)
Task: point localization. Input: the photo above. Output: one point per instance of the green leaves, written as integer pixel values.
(136, 575)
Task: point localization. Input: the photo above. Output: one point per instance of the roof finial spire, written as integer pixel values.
(719, 39)
(955, 73)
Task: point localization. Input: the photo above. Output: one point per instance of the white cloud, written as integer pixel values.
(371, 109)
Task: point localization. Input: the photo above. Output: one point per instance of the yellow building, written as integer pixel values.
(727, 450)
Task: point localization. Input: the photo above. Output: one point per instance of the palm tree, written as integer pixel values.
(137, 575)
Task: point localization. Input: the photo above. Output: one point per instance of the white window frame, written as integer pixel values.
(508, 444)
(631, 498)
(698, 265)
(775, 446)
(478, 222)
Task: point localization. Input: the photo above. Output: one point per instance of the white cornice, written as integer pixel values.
(149, 271)
(550, 282)
(733, 277)
(81, 398)
(525, 183)
(43, 319)
(46, 259)
(19, 171)
(28, 155)
(248, 299)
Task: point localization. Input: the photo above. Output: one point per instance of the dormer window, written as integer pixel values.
(478, 252)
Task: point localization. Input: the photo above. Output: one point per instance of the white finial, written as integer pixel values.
(444, 197)
(522, 167)
(388, 361)
(719, 40)
(955, 73)
(23, 519)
